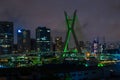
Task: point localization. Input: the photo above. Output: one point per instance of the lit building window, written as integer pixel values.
(48, 30)
(5, 46)
(38, 39)
(8, 25)
(43, 38)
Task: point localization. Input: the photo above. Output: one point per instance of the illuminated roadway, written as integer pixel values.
(26, 60)
(16, 65)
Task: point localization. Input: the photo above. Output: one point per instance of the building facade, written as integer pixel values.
(43, 39)
(6, 37)
(23, 40)
(33, 44)
(95, 47)
(58, 44)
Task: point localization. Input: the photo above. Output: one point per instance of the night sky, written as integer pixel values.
(97, 18)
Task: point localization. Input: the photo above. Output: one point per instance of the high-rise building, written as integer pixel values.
(43, 39)
(81, 44)
(15, 49)
(33, 44)
(95, 46)
(58, 44)
(88, 46)
(23, 40)
(6, 37)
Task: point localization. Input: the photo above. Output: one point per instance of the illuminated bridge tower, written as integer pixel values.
(70, 26)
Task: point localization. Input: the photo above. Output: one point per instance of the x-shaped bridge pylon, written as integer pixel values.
(70, 29)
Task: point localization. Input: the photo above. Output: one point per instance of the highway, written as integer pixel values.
(26, 60)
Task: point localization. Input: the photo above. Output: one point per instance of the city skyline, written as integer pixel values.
(95, 18)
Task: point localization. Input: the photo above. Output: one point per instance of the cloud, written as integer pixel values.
(95, 16)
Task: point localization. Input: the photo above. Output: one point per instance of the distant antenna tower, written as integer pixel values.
(70, 26)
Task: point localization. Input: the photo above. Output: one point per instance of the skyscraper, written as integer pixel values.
(81, 44)
(43, 39)
(23, 40)
(33, 44)
(6, 37)
(95, 45)
(58, 44)
(89, 46)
